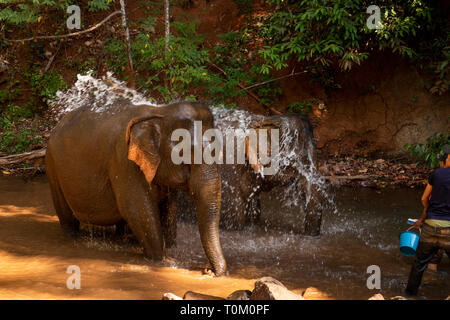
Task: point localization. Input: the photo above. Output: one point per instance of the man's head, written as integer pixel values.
(444, 158)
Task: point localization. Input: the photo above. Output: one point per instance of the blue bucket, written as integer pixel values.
(408, 243)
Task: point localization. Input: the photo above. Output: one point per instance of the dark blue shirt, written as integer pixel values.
(439, 204)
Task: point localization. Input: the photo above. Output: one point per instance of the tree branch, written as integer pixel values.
(69, 34)
(292, 74)
(254, 96)
(18, 158)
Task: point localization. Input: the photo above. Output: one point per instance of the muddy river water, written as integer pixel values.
(34, 255)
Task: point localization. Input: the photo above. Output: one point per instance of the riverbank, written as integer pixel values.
(339, 171)
(374, 173)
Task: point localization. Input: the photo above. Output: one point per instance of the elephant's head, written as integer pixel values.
(296, 163)
(150, 146)
(296, 148)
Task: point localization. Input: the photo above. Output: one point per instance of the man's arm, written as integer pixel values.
(425, 203)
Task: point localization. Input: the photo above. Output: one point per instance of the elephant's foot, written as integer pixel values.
(164, 262)
(170, 240)
(312, 225)
(71, 230)
(172, 262)
(209, 272)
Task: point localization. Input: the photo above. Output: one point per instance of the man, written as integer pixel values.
(435, 221)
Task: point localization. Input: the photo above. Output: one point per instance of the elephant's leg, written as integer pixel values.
(69, 224)
(138, 204)
(168, 212)
(120, 228)
(313, 218)
(253, 210)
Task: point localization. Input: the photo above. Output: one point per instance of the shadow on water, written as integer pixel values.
(364, 231)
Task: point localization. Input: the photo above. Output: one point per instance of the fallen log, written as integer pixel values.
(18, 158)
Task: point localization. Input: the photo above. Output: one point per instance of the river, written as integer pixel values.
(363, 231)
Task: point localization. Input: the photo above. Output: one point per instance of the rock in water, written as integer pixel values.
(240, 295)
(377, 296)
(268, 288)
(399, 298)
(312, 293)
(190, 295)
(170, 296)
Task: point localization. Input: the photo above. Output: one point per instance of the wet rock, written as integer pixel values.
(398, 298)
(190, 295)
(268, 288)
(240, 295)
(312, 293)
(170, 296)
(377, 296)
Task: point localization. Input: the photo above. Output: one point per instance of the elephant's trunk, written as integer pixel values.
(205, 189)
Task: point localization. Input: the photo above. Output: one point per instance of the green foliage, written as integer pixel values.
(13, 140)
(231, 57)
(14, 113)
(44, 87)
(174, 72)
(188, 69)
(244, 6)
(303, 107)
(98, 5)
(426, 153)
(20, 12)
(333, 33)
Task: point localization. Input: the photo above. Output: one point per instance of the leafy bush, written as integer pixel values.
(98, 5)
(426, 153)
(44, 86)
(174, 72)
(13, 140)
(22, 12)
(14, 113)
(188, 69)
(333, 33)
(303, 107)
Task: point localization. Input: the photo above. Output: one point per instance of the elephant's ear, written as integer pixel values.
(251, 151)
(143, 137)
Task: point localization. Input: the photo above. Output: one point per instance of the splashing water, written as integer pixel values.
(98, 93)
(295, 152)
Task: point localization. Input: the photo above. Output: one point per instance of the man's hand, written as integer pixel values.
(418, 224)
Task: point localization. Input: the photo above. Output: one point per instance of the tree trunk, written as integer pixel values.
(167, 23)
(128, 45)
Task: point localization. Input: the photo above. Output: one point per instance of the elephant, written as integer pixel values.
(243, 183)
(111, 165)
